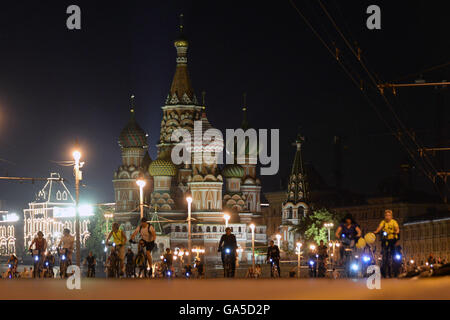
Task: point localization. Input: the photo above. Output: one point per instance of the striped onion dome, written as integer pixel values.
(233, 171)
(162, 167)
(132, 136)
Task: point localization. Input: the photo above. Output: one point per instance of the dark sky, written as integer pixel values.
(57, 85)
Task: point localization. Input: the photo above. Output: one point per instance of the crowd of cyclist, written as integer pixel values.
(123, 262)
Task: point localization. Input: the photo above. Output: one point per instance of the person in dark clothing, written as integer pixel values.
(228, 245)
(91, 262)
(273, 252)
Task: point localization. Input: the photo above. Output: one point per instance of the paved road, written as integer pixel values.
(221, 289)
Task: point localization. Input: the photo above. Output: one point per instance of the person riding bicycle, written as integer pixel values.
(40, 245)
(12, 263)
(119, 239)
(348, 232)
(390, 235)
(228, 245)
(129, 256)
(273, 256)
(148, 236)
(168, 260)
(67, 242)
(198, 265)
(91, 262)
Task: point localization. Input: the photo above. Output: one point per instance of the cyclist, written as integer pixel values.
(389, 239)
(14, 262)
(348, 232)
(67, 241)
(228, 242)
(130, 263)
(49, 263)
(120, 239)
(198, 265)
(40, 244)
(148, 236)
(273, 256)
(91, 263)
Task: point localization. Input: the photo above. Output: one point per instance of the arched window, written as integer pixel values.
(184, 229)
(200, 229)
(58, 195)
(240, 230)
(177, 229)
(64, 195)
(208, 229)
(214, 229)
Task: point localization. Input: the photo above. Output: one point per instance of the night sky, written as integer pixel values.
(58, 85)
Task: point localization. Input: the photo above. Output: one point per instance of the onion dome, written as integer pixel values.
(233, 171)
(132, 135)
(162, 167)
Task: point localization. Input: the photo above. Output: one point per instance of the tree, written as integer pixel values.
(311, 227)
(97, 231)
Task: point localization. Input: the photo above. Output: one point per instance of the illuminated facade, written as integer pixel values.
(8, 228)
(52, 212)
(234, 189)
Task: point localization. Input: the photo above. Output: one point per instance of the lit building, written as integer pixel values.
(296, 204)
(53, 211)
(8, 229)
(234, 189)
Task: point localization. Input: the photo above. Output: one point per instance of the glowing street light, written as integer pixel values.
(189, 201)
(141, 183)
(227, 218)
(312, 247)
(78, 176)
(299, 246)
(328, 226)
(252, 227)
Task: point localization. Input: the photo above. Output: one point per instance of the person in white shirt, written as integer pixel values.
(67, 242)
(148, 235)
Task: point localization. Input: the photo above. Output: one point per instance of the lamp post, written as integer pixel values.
(78, 177)
(189, 201)
(227, 218)
(328, 226)
(299, 246)
(278, 236)
(252, 227)
(141, 183)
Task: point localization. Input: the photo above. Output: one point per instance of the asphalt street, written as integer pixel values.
(223, 289)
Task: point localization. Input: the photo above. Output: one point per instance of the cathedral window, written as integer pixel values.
(58, 195)
(208, 229)
(214, 229)
(64, 195)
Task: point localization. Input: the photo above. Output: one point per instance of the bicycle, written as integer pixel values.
(64, 262)
(48, 270)
(274, 269)
(12, 271)
(113, 270)
(37, 265)
(228, 263)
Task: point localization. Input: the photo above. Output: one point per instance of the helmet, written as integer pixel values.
(370, 238)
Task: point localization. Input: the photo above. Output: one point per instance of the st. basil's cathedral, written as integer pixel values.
(234, 189)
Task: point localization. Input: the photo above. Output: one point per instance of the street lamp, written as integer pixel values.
(78, 176)
(312, 247)
(189, 201)
(252, 227)
(227, 218)
(141, 183)
(328, 226)
(278, 236)
(299, 246)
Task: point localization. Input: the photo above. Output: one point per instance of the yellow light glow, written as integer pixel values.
(189, 200)
(77, 155)
(141, 183)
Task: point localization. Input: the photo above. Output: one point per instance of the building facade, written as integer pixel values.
(52, 211)
(8, 233)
